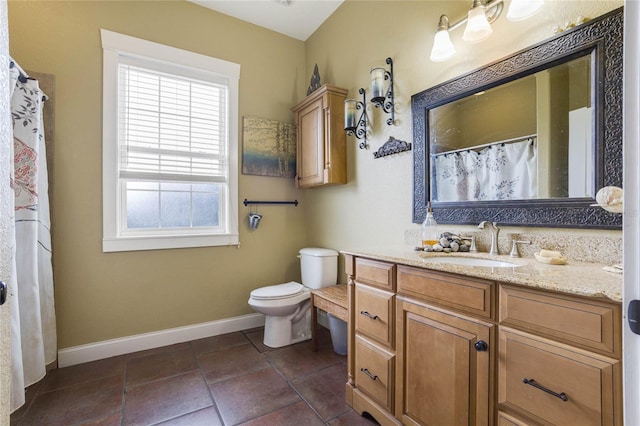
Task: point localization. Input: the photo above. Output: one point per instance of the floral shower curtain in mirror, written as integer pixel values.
(502, 171)
(33, 327)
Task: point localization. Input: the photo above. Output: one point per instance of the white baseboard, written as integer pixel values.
(114, 347)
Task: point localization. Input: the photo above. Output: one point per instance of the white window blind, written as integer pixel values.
(171, 128)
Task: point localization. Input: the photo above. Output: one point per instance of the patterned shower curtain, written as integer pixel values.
(33, 326)
(502, 171)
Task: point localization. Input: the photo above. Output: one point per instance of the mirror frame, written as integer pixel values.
(601, 38)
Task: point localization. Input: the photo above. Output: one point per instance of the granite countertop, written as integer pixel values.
(577, 278)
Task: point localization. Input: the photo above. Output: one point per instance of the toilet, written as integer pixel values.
(287, 307)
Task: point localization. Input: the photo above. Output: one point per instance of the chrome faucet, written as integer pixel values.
(493, 227)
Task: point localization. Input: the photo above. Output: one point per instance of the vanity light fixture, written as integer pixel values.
(379, 97)
(479, 19)
(356, 126)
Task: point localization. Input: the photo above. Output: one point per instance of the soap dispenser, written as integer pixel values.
(429, 229)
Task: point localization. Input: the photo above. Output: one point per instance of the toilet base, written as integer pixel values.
(282, 331)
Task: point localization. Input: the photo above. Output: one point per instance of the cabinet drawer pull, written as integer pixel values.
(563, 396)
(368, 373)
(367, 314)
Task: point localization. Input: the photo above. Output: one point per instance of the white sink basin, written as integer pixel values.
(472, 261)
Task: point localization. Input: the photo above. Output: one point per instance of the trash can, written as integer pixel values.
(338, 329)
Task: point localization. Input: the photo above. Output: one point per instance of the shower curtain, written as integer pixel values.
(33, 327)
(501, 171)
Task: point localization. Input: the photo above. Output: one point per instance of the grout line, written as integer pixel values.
(204, 377)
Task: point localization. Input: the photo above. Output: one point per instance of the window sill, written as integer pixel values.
(167, 242)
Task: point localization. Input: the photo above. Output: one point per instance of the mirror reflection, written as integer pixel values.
(531, 138)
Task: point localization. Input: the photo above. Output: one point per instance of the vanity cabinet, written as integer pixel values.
(445, 349)
(321, 156)
(559, 359)
(436, 348)
(444, 366)
(372, 356)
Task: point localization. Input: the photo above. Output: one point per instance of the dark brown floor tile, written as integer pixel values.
(299, 360)
(296, 414)
(82, 373)
(233, 362)
(112, 420)
(257, 338)
(252, 395)
(324, 391)
(76, 404)
(218, 343)
(160, 365)
(166, 399)
(168, 348)
(353, 419)
(205, 417)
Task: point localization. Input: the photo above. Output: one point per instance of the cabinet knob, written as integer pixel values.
(481, 346)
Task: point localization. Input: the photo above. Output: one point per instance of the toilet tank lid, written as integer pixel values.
(318, 252)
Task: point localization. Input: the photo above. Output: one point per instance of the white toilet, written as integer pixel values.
(287, 307)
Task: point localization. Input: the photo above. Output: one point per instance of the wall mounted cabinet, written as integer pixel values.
(321, 157)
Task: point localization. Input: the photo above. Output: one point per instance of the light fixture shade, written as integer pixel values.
(523, 9)
(478, 27)
(442, 48)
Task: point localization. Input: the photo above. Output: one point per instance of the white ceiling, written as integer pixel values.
(295, 18)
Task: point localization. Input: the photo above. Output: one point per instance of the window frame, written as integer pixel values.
(115, 48)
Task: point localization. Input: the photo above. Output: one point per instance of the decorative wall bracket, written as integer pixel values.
(392, 146)
(379, 98)
(359, 128)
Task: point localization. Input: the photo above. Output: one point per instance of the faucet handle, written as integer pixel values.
(473, 248)
(514, 247)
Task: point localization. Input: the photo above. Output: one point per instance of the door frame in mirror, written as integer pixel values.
(602, 38)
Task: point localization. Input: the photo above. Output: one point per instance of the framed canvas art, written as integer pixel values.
(269, 147)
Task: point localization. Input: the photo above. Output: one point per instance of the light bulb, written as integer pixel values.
(442, 48)
(478, 27)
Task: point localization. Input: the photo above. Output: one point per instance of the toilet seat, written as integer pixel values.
(279, 291)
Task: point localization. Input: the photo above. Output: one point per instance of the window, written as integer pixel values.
(169, 147)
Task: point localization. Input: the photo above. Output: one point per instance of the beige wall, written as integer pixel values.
(102, 296)
(375, 206)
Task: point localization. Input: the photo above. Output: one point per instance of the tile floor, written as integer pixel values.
(230, 379)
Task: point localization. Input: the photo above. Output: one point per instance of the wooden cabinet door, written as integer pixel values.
(311, 146)
(442, 379)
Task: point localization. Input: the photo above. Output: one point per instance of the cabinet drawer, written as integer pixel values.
(377, 274)
(374, 313)
(374, 372)
(465, 294)
(505, 419)
(592, 325)
(586, 385)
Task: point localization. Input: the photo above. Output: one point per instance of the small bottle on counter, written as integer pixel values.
(429, 229)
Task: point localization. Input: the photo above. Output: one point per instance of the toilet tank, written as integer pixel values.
(319, 267)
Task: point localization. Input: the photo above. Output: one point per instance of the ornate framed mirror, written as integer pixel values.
(529, 139)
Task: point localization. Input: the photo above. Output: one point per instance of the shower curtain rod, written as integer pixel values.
(518, 139)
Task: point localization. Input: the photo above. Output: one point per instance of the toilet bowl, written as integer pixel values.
(287, 307)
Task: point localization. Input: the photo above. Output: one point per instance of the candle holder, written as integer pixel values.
(380, 98)
(356, 128)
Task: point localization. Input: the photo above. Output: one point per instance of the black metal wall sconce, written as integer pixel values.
(380, 98)
(354, 125)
